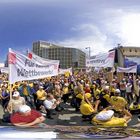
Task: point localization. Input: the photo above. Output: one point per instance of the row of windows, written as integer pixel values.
(131, 50)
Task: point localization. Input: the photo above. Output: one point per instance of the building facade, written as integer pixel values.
(127, 56)
(69, 57)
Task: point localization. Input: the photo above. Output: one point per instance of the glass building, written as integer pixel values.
(69, 57)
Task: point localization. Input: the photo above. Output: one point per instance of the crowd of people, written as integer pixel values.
(99, 100)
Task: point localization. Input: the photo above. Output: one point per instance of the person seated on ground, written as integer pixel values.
(134, 108)
(106, 118)
(86, 107)
(103, 99)
(79, 97)
(15, 102)
(26, 117)
(118, 102)
(50, 104)
(27, 92)
(59, 106)
(97, 91)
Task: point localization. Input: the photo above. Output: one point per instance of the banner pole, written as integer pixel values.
(11, 108)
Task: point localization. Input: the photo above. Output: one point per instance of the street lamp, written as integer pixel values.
(89, 50)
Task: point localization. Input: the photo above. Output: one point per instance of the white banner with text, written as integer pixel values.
(22, 68)
(103, 60)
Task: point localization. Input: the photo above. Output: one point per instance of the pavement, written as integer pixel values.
(70, 117)
(68, 124)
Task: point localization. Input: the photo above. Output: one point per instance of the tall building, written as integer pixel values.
(69, 57)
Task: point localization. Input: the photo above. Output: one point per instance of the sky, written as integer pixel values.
(98, 24)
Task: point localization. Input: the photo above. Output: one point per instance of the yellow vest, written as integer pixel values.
(136, 107)
(118, 102)
(113, 122)
(97, 94)
(25, 91)
(66, 90)
(86, 109)
(41, 95)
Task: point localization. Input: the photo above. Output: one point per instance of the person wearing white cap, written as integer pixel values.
(15, 102)
(26, 117)
(117, 102)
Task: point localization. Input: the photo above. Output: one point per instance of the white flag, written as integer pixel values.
(132, 69)
(102, 60)
(23, 68)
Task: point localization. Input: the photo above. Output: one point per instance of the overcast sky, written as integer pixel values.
(99, 24)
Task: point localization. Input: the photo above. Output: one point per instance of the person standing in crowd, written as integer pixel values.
(5, 97)
(129, 93)
(87, 108)
(137, 89)
(65, 92)
(57, 89)
(26, 117)
(123, 88)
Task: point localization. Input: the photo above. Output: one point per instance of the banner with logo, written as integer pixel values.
(132, 69)
(22, 68)
(66, 72)
(131, 61)
(102, 60)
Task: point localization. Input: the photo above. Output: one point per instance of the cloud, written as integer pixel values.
(124, 25)
(89, 35)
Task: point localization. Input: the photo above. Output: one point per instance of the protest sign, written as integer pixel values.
(132, 69)
(102, 60)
